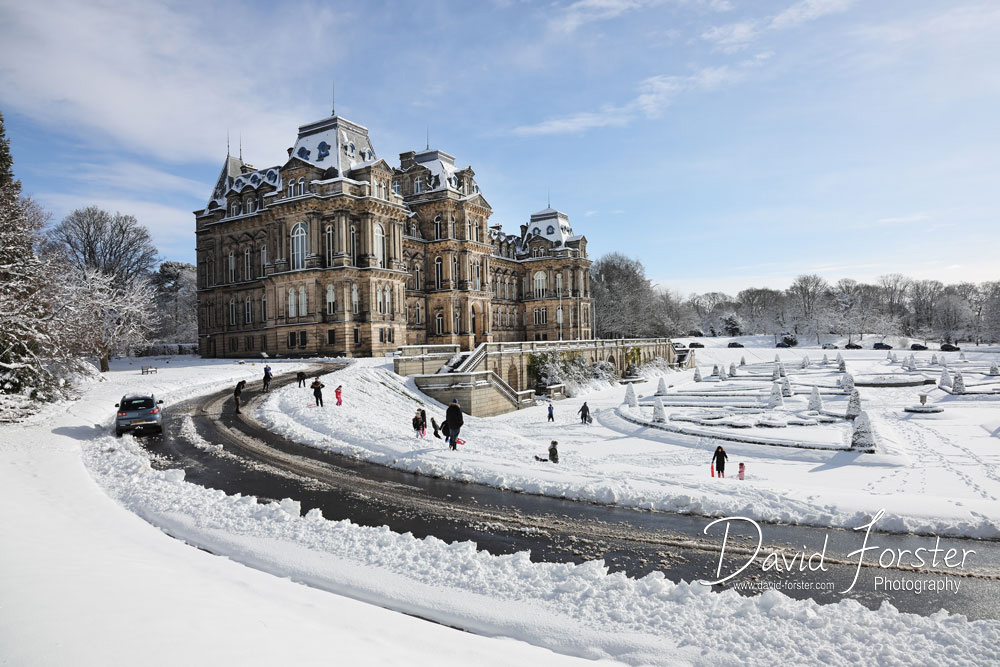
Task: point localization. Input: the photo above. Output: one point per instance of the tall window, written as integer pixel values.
(329, 245)
(331, 300)
(291, 189)
(232, 311)
(247, 267)
(379, 246)
(438, 272)
(232, 267)
(454, 271)
(457, 324)
(479, 276)
(236, 208)
(418, 313)
(558, 284)
(249, 208)
(439, 324)
(395, 187)
(292, 310)
(263, 259)
(354, 246)
(248, 311)
(355, 302)
(299, 247)
(378, 300)
(388, 300)
(302, 186)
(539, 284)
(418, 185)
(263, 307)
(418, 282)
(437, 227)
(302, 302)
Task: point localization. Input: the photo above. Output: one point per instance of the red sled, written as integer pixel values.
(711, 468)
(459, 441)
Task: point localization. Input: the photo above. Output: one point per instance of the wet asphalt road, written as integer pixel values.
(255, 462)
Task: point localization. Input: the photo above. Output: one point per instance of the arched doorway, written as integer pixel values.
(473, 321)
(512, 377)
(611, 360)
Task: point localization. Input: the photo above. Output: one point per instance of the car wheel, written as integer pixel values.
(118, 433)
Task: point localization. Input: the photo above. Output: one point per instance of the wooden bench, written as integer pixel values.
(146, 370)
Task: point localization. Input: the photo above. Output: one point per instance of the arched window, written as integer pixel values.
(468, 229)
(418, 313)
(236, 208)
(559, 315)
(232, 267)
(263, 259)
(263, 307)
(232, 311)
(292, 310)
(454, 271)
(457, 325)
(291, 189)
(550, 230)
(355, 302)
(418, 185)
(379, 246)
(438, 273)
(388, 300)
(249, 208)
(354, 246)
(302, 302)
(378, 300)
(395, 187)
(329, 245)
(437, 227)
(453, 229)
(299, 247)
(331, 300)
(418, 282)
(539, 284)
(248, 311)
(479, 276)
(247, 268)
(302, 186)
(558, 284)
(439, 324)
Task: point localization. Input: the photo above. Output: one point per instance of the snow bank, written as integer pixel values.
(572, 609)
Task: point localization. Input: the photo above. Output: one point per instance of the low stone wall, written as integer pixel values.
(481, 394)
(422, 359)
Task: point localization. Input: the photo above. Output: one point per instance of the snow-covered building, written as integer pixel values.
(337, 252)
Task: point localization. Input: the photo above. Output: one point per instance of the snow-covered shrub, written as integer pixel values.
(715, 370)
(775, 400)
(805, 362)
(839, 358)
(775, 374)
(630, 398)
(815, 402)
(722, 374)
(786, 387)
(658, 413)
(994, 370)
(842, 365)
(854, 405)
(661, 388)
(743, 361)
(863, 437)
(934, 360)
(958, 386)
(945, 380)
(790, 339)
(826, 360)
(732, 369)
(777, 359)
(781, 370)
(961, 356)
(571, 370)
(697, 374)
(847, 383)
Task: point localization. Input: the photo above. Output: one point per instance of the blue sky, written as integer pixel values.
(724, 143)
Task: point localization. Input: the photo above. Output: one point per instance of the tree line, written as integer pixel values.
(90, 286)
(627, 304)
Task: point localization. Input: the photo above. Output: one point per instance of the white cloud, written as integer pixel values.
(808, 10)
(736, 36)
(581, 12)
(733, 36)
(655, 95)
(133, 177)
(917, 217)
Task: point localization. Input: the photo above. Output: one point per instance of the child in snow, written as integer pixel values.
(584, 413)
(437, 429)
(553, 454)
(267, 378)
(317, 388)
(337, 393)
(237, 392)
(418, 425)
(719, 459)
(552, 416)
(423, 420)
(301, 377)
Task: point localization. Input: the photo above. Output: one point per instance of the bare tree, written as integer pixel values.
(809, 294)
(176, 299)
(112, 243)
(623, 297)
(894, 288)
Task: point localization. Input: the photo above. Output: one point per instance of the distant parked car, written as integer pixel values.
(679, 346)
(852, 346)
(881, 346)
(830, 346)
(696, 344)
(735, 344)
(139, 412)
(918, 347)
(782, 345)
(948, 347)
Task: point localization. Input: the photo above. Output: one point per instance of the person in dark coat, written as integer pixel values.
(418, 425)
(237, 392)
(454, 419)
(423, 418)
(584, 413)
(552, 416)
(267, 378)
(301, 377)
(553, 454)
(437, 429)
(317, 388)
(719, 459)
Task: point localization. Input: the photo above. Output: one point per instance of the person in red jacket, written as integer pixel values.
(339, 401)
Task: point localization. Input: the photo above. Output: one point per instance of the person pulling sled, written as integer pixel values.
(553, 454)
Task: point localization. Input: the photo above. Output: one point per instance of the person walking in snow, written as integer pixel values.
(267, 378)
(454, 419)
(584, 413)
(301, 377)
(337, 394)
(553, 454)
(423, 419)
(418, 425)
(317, 388)
(437, 429)
(552, 416)
(719, 459)
(237, 392)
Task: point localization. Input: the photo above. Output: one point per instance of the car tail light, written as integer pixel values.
(122, 414)
(154, 411)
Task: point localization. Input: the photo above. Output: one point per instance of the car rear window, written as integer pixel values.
(137, 404)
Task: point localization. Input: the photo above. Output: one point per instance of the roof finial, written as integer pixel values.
(428, 137)
(333, 100)
(227, 142)
(548, 197)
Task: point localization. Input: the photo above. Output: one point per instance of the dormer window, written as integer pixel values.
(418, 185)
(395, 187)
(550, 230)
(536, 231)
(236, 208)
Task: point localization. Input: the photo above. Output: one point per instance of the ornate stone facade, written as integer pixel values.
(338, 253)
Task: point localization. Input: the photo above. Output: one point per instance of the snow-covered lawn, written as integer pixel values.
(936, 474)
(89, 575)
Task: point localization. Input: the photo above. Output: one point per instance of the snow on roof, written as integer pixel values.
(334, 142)
(550, 224)
(442, 168)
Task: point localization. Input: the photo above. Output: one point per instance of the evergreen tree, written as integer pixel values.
(958, 386)
(862, 437)
(815, 402)
(630, 396)
(743, 361)
(786, 387)
(842, 365)
(854, 405)
(945, 380)
(732, 370)
(661, 388)
(6, 160)
(847, 383)
(775, 400)
(697, 374)
(994, 369)
(659, 415)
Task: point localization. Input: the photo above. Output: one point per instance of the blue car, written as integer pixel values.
(139, 412)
